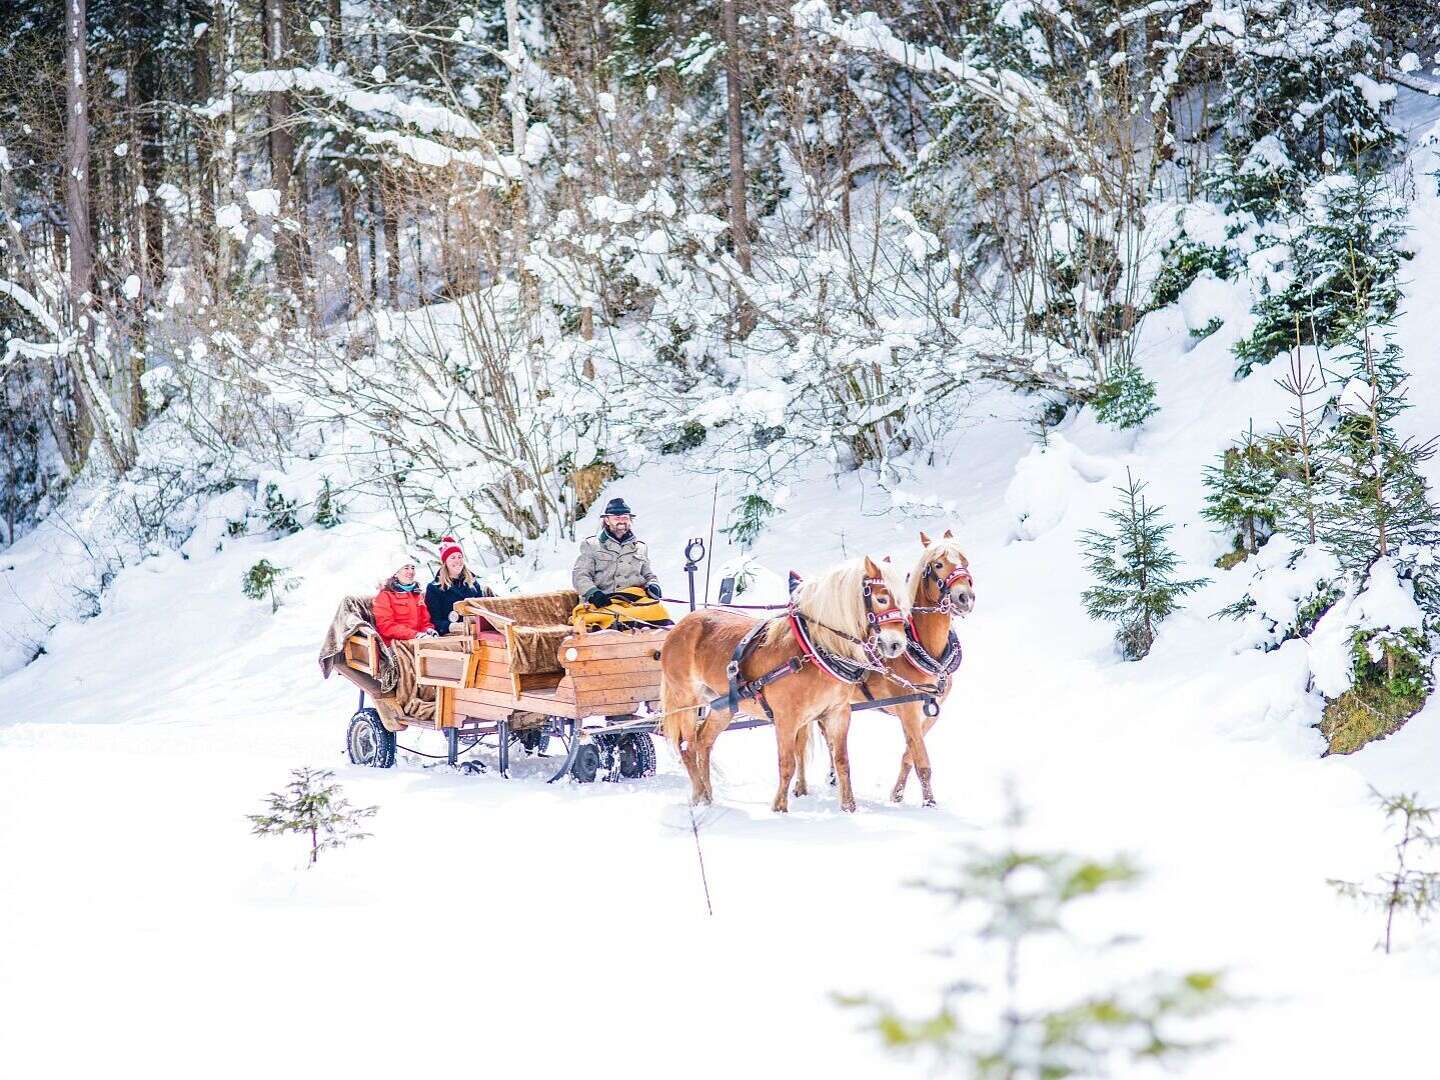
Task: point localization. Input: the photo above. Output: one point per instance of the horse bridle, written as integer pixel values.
(945, 605)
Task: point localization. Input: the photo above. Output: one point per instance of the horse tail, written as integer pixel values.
(672, 714)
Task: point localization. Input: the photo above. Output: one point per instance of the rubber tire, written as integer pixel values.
(635, 753)
(586, 765)
(365, 725)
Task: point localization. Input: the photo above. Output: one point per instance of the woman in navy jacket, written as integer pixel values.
(453, 582)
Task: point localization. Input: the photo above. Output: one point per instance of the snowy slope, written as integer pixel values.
(528, 929)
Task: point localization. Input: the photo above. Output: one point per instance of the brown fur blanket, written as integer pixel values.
(353, 614)
(540, 622)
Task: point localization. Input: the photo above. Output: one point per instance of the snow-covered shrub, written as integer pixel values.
(1392, 679)
(749, 518)
(279, 511)
(1184, 260)
(1125, 399)
(329, 511)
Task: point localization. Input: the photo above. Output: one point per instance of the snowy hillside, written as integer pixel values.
(292, 293)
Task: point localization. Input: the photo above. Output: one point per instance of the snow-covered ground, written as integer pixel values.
(515, 927)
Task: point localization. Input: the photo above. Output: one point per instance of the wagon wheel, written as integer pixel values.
(586, 764)
(368, 741)
(635, 755)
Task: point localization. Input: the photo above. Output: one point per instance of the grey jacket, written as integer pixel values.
(604, 563)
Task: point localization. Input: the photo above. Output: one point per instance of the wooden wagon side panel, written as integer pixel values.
(612, 673)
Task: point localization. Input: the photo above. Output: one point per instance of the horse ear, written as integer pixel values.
(871, 569)
(924, 540)
(949, 535)
(886, 559)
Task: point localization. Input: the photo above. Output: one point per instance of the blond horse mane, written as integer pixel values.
(836, 599)
(946, 546)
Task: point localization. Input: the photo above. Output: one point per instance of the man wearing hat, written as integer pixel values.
(614, 559)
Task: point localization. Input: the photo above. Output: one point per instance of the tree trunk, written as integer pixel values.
(282, 142)
(202, 83)
(739, 222)
(77, 205)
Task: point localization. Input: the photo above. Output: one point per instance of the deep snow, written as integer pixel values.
(514, 927)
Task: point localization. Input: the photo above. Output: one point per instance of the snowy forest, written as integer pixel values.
(1132, 296)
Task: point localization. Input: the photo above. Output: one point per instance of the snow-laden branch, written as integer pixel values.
(427, 116)
(31, 350)
(1006, 89)
(30, 306)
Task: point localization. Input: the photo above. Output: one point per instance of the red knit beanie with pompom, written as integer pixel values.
(448, 547)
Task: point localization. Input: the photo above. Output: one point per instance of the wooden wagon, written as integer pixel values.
(519, 672)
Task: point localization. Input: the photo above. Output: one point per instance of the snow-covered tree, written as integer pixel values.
(1241, 492)
(1303, 96)
(1125, 399)
(1374, 495)
(1341, 267)
(1133, 566)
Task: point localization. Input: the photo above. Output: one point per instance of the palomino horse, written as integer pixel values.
(854, 611)
(940, 588)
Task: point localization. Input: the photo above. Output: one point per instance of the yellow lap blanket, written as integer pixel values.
(632, 607)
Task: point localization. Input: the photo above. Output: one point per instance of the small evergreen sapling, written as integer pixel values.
(312, 806)
(329, 511)
(1134, 569)
(1404, 888)
(1375, 497)
(266, 579)
(992, 1024)
(1125, 399)
(1242, 493)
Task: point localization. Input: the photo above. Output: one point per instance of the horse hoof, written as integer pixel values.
(848, 807)
(897, 796)
(928, 802)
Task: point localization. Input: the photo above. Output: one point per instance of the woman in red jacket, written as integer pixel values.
(400, 612)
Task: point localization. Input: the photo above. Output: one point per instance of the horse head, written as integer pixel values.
(942, 579)
(885, 609)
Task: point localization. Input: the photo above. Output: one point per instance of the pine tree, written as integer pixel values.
(1405, 888)
(1242, 492)
(266, 579)
(1299, 467)
(1375, 500)
(1125, 399)
(991, 1024)
(310, 805)
(1300, 99)
(1344, 260)
(1134, 568)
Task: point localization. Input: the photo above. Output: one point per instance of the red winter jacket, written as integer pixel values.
(400, 616)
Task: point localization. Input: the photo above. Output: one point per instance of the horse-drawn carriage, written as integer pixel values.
(859, 637)
(517, 672)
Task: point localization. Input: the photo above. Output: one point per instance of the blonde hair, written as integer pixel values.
(445, 580)
(836, 599)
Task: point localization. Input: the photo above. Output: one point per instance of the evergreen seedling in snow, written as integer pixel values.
(1404, 888)
(328, 510)
(266, 579)
(1126, 398)
(1134, 569)
(1242, 493)
(312, 806)
(1018, 901)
